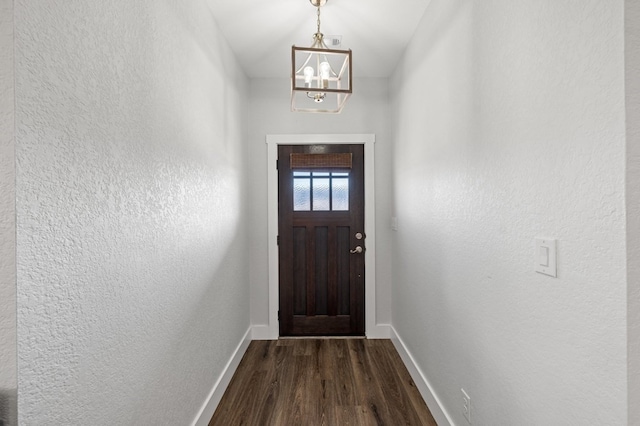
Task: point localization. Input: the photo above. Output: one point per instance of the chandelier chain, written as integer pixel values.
(318, 19)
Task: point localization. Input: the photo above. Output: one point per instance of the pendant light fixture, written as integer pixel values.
(320, 77)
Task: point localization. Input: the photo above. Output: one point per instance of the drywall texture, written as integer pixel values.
(130, 145)
(509, 125)
(8, 366)
(632, 72)
(367, 111)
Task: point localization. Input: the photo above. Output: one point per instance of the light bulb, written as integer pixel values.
(325, 72)
(308, 76)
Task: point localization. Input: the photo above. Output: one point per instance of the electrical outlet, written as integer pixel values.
(466, 406)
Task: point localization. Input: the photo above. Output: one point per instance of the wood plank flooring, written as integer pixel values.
(312, 382)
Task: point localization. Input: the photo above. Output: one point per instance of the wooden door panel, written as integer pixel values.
(342, 269)
(321, 282)
(300, 269)
(321, 276)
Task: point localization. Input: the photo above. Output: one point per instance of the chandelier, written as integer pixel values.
(320, 77)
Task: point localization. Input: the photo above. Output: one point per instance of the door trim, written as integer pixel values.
(372, 330)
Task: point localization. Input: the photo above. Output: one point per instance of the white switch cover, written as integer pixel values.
(546, 256)
(394, 223)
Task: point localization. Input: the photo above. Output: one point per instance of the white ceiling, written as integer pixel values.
(261, 33)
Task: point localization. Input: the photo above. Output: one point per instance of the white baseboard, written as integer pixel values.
(211, 403)
(262, 332)
(426, 390)
(379, 331)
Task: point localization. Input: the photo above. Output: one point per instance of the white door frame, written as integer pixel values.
(372, 330)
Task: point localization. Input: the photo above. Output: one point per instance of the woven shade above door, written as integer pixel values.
(321, 161)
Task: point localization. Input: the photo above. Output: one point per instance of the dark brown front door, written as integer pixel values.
(321, 239)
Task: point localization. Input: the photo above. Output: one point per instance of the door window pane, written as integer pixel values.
(301, 194)
(320, 191)
(340, 194)
(321, 194)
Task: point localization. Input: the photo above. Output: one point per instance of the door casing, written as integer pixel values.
(372, 329)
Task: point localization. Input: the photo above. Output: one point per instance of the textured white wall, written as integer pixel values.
(509, 125)
(8, 380)
(130, 198)
(367, 111)
(632, 64)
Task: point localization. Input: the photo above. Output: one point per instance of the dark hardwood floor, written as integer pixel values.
(322, 382)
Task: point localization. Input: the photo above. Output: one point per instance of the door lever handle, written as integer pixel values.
(358, 249)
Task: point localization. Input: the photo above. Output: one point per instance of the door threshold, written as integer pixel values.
(319, 337)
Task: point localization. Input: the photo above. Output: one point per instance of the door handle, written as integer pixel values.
(358, 249)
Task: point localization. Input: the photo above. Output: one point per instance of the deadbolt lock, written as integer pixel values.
(359, 236)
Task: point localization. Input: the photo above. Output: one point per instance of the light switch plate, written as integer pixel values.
(545, 256)
(394, 223)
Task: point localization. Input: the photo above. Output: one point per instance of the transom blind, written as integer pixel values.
(321, 161)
